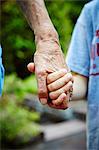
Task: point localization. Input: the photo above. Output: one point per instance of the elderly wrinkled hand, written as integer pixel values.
(47, 59)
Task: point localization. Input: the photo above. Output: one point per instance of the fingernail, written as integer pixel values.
(43, 101)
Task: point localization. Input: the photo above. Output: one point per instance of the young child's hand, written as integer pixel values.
(60, 83)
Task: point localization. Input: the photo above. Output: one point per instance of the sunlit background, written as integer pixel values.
(24, 122)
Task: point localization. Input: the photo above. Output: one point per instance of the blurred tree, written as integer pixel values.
(18, 39)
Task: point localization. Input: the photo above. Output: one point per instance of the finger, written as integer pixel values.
(62, 106)
(31, 67)
(42, 87)
(60, 82)
(60, 99)
(64, 89)
(56, 75)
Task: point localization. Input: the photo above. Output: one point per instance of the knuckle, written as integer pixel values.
(42, 93)
(41, 72)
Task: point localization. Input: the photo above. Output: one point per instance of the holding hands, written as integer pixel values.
(53, 86)
(60, 86)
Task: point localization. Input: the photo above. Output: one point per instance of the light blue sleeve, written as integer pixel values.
(78, 59)
(1, 72)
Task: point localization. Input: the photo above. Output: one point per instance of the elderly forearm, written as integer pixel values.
(38, 19)
(79, 87)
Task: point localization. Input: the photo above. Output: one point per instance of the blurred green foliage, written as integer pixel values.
(64, 15)
(19, 87)
(16, 120)
(18, 39)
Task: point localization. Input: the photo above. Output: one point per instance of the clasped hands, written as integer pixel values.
(55, 82)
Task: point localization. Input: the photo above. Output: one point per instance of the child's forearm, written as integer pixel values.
(38, 19)
(79, 87)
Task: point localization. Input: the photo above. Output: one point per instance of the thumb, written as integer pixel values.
(31, 67)
(42, 87)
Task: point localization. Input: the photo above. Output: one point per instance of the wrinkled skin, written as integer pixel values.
(47, 59)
